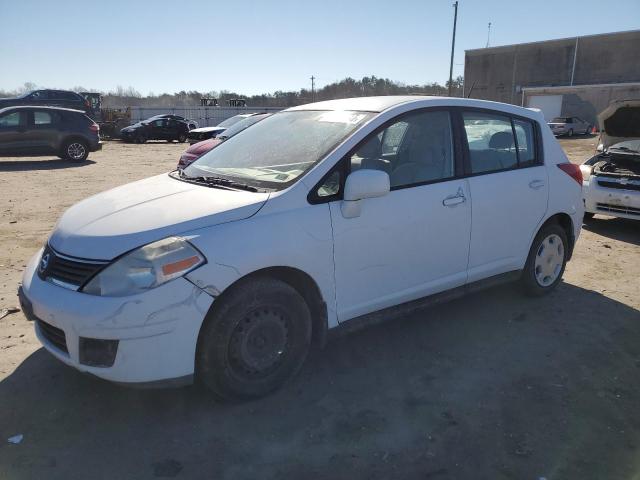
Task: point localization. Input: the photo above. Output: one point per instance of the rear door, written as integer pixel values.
(509, 190)
(45, 131)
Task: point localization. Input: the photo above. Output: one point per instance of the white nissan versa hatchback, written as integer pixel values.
(318, 215)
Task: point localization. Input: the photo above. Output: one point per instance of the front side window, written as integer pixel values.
(278, 150)
(10, 120)
(417, 149)
(491, 142)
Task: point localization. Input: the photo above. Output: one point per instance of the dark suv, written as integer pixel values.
(156, 129)
(52, 98)
(32, 131)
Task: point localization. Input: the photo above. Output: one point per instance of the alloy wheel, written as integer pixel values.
(76, 151)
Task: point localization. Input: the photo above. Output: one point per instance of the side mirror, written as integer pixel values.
(361, 184)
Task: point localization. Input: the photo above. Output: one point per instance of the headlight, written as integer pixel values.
(586, 171)
(145, 268)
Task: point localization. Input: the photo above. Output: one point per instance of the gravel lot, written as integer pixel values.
(494, 385)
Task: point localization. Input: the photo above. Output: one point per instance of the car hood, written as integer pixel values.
(203, 147)
(208, 129)
(620, 121)
(113, 222)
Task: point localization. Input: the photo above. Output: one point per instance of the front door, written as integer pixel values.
(14, 139)
(414, 241)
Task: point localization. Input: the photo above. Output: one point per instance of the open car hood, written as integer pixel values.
(620, 121)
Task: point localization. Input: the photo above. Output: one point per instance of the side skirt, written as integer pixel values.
(407, 308)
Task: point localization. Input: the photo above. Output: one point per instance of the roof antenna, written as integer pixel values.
(488, 35)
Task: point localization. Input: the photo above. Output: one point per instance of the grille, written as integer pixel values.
(606, 207)
(620, 186)
(54, 335)
(66, 271)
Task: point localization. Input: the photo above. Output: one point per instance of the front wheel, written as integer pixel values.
(182, 137)
(141, 138)
(254, 340)
(75, 150)
(546, 261)
(570, 134)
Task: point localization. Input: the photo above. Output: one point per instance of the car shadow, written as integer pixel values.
(494, 385)
(622, 229)
(49, 164)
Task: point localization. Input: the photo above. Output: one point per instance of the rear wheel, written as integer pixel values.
(169, 140)
(75, 150)
(141, 138)
(546, 261)
(256, 339)
(182, 137)
(570, 134)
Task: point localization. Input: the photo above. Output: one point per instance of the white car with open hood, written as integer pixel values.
(320, 215)
(611, 183)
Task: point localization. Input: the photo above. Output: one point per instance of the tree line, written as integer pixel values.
(348, 87)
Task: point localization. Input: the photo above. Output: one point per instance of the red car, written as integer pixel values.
(196, 150)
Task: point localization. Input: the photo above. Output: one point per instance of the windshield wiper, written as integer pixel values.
(220, 181)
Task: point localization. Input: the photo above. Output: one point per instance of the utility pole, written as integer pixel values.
(313, 89)
(453, 45)
(488, 35)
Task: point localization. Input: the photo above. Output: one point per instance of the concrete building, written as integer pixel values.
(576, 76)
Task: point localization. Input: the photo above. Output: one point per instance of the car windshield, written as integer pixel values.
(242, 124)
(627, 146)
(278, 150)
(231, 121)
(559, 120)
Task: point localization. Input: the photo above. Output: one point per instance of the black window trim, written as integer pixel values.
(345, 166)
(537, 144)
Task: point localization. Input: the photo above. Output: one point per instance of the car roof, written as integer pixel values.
(380, 104)
(43, 107)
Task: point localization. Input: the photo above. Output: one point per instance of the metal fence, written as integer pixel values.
(205, 116)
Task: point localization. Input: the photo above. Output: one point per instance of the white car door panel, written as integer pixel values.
(507, 207)
(403, 246)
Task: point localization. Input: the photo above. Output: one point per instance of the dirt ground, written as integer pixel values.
(492, 386)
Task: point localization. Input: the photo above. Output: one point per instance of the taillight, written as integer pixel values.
(572, 170)
(94, 127)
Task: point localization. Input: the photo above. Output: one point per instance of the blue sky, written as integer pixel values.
(251, 46)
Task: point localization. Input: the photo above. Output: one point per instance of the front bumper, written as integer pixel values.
(156, 331)
(615, 202)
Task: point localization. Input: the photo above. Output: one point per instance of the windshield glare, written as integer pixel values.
(279, 149)
(241, 125)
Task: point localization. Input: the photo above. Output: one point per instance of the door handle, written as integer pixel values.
(453, 200)
(536, 184)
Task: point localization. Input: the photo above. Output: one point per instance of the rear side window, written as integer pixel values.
(45, 118)
(491, 142)
(498, 142)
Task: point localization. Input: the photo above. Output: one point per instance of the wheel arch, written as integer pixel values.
(565, 221)
(70, 138)
(299, 280)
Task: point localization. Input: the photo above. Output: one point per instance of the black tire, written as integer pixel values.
(588, 130)
(141, 138)
(530, 275)
(255, 339)
(182, 137)
(588, 216)
(169, 140)
(75, 150)
(570, 134)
